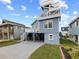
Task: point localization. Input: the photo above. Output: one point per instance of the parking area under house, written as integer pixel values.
(32, 36)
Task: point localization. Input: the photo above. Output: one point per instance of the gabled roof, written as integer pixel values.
(5, 24)
(34, 22)
(74, 20)
(11, 22)
(44, 19)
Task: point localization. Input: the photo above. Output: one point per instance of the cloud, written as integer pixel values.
(64, 16)
(9, 7)
(34, 16)
(63, 4)
(23, 8)
(6, 1)
(39, 8)
(15, 14)
(27, 16)
(75, 13)
(65, 20)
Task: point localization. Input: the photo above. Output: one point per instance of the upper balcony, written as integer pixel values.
(45, 2)
(6, 28)
(53, 9)
(48, 16)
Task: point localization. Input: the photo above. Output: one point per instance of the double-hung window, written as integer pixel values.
(48, 24)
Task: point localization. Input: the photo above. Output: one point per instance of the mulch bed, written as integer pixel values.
(66, 55)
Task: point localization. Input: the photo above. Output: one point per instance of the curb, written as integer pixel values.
(62, 54)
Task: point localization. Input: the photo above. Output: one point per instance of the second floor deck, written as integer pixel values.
(6, 28)
(49, 15)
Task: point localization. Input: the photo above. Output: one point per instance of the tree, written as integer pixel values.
(60, 34)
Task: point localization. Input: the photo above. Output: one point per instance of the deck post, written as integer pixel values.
(33, 36)
(2, 35)
(8, 36)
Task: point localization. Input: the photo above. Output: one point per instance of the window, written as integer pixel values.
(45, 25)
(70, 26)
(76, 38)
(77, 23)
(48, 24)
(51, 36)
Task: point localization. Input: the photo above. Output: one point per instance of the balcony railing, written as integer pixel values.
(48, 15)
(53, 9)
(6, 30)
(45, 2)
(42, 1)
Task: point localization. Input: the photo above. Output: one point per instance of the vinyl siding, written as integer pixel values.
(54, 30)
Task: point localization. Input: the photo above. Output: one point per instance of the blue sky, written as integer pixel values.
(26, 11)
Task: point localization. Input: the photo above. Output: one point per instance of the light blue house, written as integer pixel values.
(74, 30)
(48, 21)
(46, 26)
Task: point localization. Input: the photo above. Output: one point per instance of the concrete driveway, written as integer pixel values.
(19, 51)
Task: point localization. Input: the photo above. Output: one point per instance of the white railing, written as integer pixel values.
(53, 9)
(53, 2)
(41, 1)
(44, 2)
(46, 16)
(54, 12)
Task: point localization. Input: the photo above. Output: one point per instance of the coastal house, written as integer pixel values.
(65, 31)
(11, 30)
(46, 26)
(74, 30)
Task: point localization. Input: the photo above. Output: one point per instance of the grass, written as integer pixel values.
(9, 42)
(71, 48)
(47, 52)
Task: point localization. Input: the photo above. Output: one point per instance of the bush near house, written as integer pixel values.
(47, 52)
(71, 48)
(9, 42)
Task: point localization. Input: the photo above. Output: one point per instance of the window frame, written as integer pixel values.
(47, 22)
(50, 35)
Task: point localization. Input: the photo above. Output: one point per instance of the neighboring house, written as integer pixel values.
(74, 30)
(48, 22)
(65, 31)
(28, 29)
(11, 30)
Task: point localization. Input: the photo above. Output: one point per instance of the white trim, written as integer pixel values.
(47, 22)
(49, 36)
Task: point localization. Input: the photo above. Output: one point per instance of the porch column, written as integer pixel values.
(33, 36)
(26, 36)
(8, 35)
(2, 35)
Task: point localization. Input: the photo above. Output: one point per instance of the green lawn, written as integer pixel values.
(71, 48)
(47, 52)
(7, 43)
